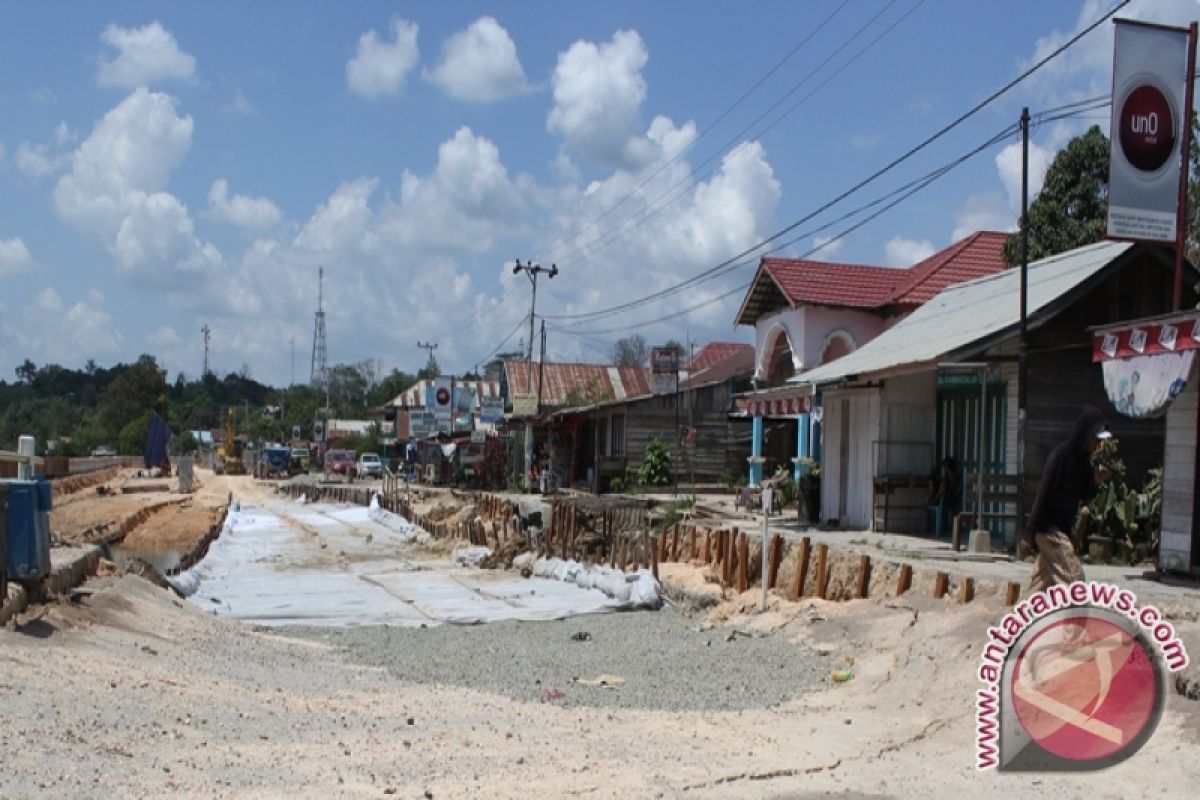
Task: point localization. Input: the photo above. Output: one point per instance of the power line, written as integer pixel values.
(708, 128)
(655, 207)
(899, 196)
(869, 179)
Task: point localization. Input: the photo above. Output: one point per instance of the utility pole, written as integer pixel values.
(320, 367)
(206, 331)
(1022, 347)
(429, 348)
(531, 271)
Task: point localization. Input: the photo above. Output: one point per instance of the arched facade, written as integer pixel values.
(777, 359)
(837, 343)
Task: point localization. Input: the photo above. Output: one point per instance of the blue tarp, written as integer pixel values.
(157, 442)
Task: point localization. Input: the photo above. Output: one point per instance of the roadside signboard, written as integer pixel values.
(318, 431)
(1149, 83)
(957, 380)
(295, 433)
(491, 409)
(478, 437)
(443, 398)
(664, 370)
(524, 405)
(421, 423)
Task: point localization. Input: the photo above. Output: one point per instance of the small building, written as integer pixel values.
(409, 415)
(807, 313)
(889, 412)
(709, 441)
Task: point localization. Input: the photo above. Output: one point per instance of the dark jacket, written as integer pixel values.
(1068, 479)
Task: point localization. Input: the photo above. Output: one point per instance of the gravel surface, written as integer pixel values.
(667, 663)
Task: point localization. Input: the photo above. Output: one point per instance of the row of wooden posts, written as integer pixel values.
(727, 550)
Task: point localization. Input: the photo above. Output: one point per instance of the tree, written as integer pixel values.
(138, 390)
(630, 351)
(1071, 210)
(27, 372)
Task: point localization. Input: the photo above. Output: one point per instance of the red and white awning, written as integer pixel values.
(792, 406)
(1172, 335)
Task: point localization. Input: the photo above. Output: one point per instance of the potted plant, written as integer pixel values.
(810, 487)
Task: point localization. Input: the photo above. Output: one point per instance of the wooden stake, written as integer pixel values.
(822, 577)
(940, 584)
(966, 590)
(707, 546)
(1012, 592)
(661, 554)
(654, 558)
(675, 542)
(801, 570)
(773, 565)
(743, 555)
(904, 582)
(692, 543)
(864, 575)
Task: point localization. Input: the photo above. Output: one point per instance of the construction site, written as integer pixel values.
(297, 638)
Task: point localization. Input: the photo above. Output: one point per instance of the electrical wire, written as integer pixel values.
(707, 129)
(654, 207)
(869, 179)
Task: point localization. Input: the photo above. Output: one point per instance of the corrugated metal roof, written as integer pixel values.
(968, 313)
(715, 352)
(560, 380)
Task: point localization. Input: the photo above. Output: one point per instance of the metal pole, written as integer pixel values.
(677, 448)
(1022, 352)
(982, 442)
(1186, 152)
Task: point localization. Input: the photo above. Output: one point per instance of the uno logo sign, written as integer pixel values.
(443, 396)
(1147, 128)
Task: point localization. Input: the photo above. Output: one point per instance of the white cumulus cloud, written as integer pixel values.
(480, 64)
(902, 252)
(115, 190)
(598, 91)
(14, 257)
(380, 67)
(240, 210)
(144, 56)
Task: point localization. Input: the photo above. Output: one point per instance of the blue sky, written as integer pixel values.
(167, 166)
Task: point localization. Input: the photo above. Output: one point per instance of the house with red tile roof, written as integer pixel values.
(807, 313)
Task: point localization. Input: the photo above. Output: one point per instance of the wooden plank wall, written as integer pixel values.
(1178, 547)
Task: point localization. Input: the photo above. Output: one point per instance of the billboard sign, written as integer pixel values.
(1149, 80)
(318, 431)
(664, 370)
(421, 423)
(491, 409)
(443, 397)
(524, 405)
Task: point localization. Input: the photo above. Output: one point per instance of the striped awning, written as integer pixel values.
(790, 405)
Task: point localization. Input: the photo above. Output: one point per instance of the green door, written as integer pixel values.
(958, 428)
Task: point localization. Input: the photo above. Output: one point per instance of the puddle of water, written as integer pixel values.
(162, 560)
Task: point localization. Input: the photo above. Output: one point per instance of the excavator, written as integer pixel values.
(231, 454)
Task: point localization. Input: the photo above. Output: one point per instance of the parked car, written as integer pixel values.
(370, 466)
(105, 451)
(339, 462)
(299, 461)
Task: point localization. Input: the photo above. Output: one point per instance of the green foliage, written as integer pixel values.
(138, 390)
(186, 443)
(1071, 210)
(673, 511)
(656, 464)
(131, 441)
(1131, 518)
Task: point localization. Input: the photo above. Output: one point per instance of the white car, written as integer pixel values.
(369, 466)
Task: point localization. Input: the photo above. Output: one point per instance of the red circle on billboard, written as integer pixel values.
(1084, 689)
(1147, 128)
(443, 396)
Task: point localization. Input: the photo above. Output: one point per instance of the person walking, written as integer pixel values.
(1067, 481)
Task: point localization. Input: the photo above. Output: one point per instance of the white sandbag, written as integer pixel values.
(185, 583)
(644, 591)
(472, 555)
(524, 561)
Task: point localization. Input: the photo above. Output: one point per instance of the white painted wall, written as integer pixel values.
(807, 329)
(1179, 472)
(847, 467)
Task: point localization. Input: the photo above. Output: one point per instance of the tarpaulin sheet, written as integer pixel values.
(284, 563)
